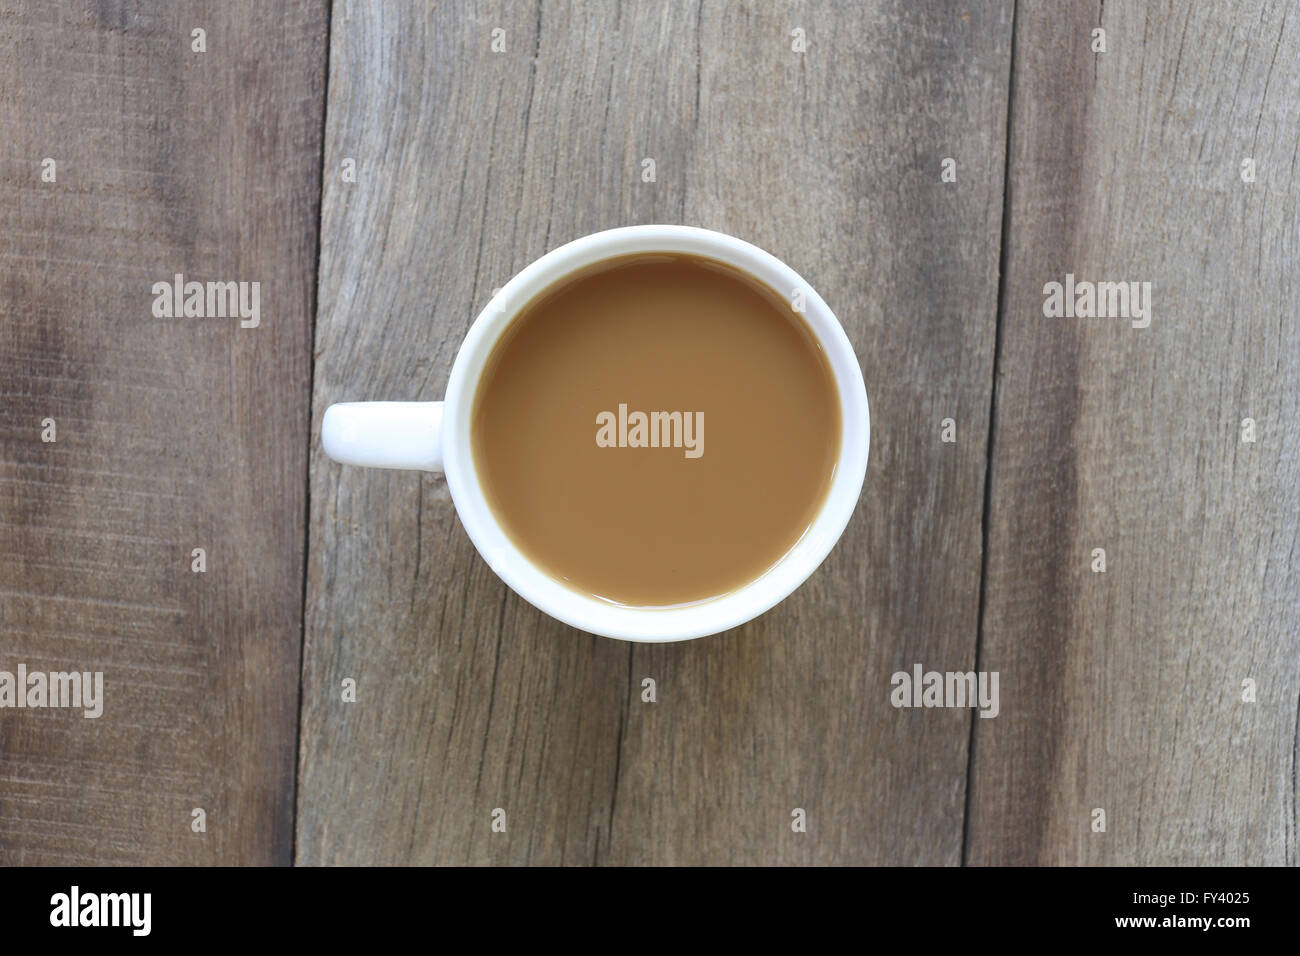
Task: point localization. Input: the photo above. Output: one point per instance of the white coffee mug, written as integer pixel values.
(435, 436)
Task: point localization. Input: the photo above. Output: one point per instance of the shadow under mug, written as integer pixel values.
(435, 436)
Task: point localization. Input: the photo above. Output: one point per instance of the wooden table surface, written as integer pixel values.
(381, 168)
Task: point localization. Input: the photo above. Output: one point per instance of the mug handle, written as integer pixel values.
(384, 434)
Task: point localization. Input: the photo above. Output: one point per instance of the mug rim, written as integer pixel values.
(652, 624)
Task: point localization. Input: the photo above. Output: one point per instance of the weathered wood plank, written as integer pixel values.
(172, 434)
(470, 164)
(1123, 691)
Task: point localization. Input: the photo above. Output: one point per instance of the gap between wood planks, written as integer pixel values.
(314, 292)
(993, 411)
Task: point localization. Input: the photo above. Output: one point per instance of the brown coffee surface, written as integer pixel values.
(649, 526)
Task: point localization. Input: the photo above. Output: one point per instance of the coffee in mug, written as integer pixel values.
(626, 425)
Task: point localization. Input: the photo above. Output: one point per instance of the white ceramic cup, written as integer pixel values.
(435, 436)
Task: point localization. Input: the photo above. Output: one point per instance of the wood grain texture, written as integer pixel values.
(1123, 690)
(470, 164)
(1120, 691)
(172, 434)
